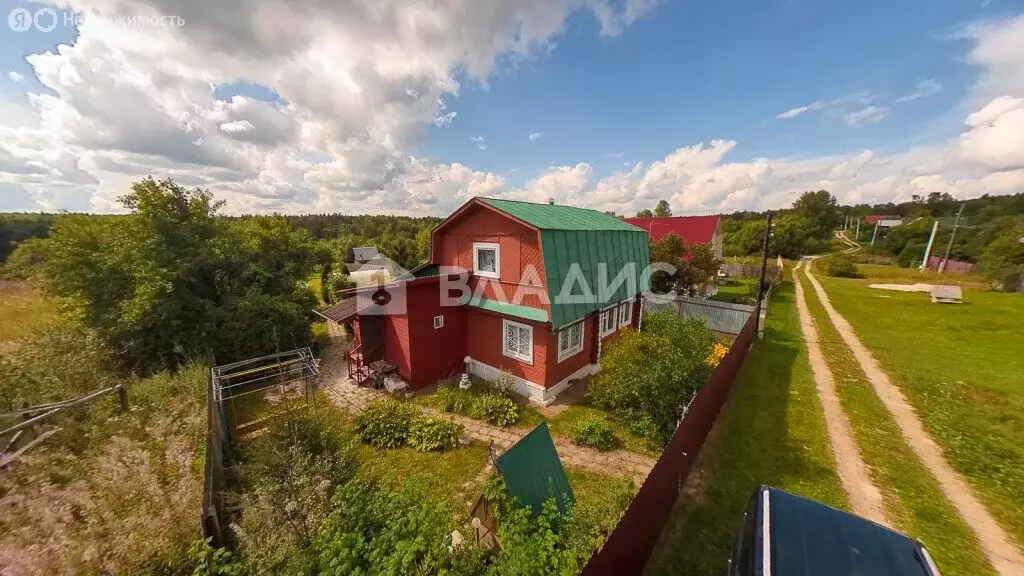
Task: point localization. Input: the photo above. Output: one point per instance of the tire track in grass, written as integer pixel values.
(913, 499)
(865, 498)
(1000, 550)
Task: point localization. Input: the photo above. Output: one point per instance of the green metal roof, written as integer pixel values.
(535, 314)
(556, 217)
(532, 471)
(581, 240)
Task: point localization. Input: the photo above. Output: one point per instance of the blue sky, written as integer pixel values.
(410, 107)
(700, 70)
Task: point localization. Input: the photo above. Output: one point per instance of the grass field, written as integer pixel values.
(913, 501)
(21, 309)
(961, 367)
(771, 431)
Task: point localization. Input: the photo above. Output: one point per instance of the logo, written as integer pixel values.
(19, 20)
(380, 286)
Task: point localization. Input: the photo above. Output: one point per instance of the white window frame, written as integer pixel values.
(477, 246)
(626, 313)
(438, 321)
(608, 319)
(570, 350)
(515, 354)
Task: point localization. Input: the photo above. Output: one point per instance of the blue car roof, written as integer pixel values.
(808, 538)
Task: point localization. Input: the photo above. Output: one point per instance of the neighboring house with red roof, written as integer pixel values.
(692, 229)
(493, 298)
(883, 220)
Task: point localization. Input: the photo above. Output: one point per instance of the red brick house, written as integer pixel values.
(692, 229)
(528, 290)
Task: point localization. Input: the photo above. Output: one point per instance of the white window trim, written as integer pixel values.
(528, 359)
(613, 316)
(438, 321)
(497, 259)
(573, 350)
(626, 313)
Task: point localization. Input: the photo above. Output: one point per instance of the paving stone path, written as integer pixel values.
(354, 399)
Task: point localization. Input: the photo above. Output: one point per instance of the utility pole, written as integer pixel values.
(856, 235)
(764, 266)
(942, 265)
(928, 250)
(875, 233)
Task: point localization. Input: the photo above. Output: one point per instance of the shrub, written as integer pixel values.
(594, 433)
(496, 410)
(377, 530)
(428, 434)
(838, 265)
(289, 475)
(385, 423)
(450, 398)
(648, 377)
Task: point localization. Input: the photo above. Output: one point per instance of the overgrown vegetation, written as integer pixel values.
(110, 492)
(432, 434)
(838, 265)
(647, 378)
(386, 423)
(361, 514)
(492, 402)
(594, 433)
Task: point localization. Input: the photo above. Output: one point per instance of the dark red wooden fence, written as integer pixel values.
(630, 544)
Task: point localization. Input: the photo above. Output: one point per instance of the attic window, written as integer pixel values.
(486, 259)
(438, 322)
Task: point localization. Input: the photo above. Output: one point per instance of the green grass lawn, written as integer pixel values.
(566, 421)
(962, 368)
(21, 309)
(913, 501)
(771, 431)
(606, 496)
(737, 291)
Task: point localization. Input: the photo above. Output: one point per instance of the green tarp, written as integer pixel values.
(533, 473)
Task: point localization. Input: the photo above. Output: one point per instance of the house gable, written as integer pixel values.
(518, 245)
(575, 242)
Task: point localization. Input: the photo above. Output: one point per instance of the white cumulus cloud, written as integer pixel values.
(534, 136)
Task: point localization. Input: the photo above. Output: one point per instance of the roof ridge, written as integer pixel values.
(541, 204)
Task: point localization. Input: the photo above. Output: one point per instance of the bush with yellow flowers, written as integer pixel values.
(716, 355)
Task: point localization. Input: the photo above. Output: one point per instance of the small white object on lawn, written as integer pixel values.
(947, 294)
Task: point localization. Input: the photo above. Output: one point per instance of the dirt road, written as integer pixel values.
(864, 497)
(1004, 556)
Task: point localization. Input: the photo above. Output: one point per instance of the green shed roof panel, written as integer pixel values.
(532, 471)
(535, 314)
(576, 242)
